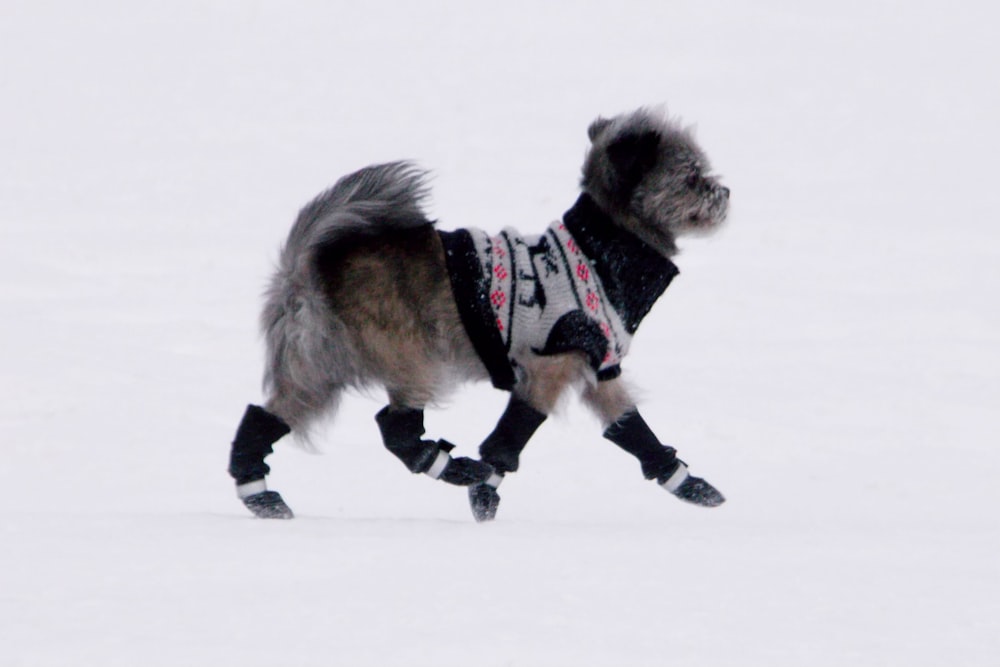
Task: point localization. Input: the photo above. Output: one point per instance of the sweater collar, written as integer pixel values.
(598, 235)
(633, 273)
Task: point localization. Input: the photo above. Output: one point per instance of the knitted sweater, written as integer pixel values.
(584, 285)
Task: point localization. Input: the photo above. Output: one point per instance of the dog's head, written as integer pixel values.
(650, 176)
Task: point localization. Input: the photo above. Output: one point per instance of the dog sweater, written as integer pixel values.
(584, 285)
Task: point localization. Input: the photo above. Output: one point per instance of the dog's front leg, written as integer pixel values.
(626, 428)
(543, 381)
(502, 450)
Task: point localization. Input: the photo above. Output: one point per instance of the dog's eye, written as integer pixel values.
(692, 181)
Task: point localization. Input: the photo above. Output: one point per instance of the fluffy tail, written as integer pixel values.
(309, 354)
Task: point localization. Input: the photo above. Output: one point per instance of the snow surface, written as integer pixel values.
(830, 360)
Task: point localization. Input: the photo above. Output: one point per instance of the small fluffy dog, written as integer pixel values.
(368, 292)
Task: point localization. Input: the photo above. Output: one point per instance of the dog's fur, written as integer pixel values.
(362, 296)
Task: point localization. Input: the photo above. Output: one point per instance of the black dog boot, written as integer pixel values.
(257, 432)
(502, 450)
(660, 462)
(401, 429)
(484, 499)
(689, 488)
(263, 503)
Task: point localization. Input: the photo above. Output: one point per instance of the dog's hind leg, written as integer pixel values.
(258, 431)
(625, 427)
(402, 427)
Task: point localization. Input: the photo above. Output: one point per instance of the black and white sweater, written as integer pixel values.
(584, 285)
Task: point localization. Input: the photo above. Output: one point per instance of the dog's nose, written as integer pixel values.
(725, 191)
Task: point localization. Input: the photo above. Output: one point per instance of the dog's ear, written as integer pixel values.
(632, 155)
(598, 126)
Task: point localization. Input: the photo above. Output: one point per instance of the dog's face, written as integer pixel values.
(650, 175)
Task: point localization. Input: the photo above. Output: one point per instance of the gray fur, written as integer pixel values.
(361, 296)
(650, 175)
(311, 356)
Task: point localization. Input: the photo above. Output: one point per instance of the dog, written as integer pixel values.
(368, 292)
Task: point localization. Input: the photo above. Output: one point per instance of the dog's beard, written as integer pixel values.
(685, 214)
(706, 215)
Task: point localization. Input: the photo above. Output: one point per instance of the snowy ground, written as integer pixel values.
(830, 360)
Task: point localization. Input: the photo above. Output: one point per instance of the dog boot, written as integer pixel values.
(689, 488)
(502, 450)
(267, 504)
(257, 432)
(401, 429)
(660, 462)
(484, 499)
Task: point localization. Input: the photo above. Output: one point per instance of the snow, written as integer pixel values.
(829, 360)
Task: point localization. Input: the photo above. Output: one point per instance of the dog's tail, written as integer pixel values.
(309, 354)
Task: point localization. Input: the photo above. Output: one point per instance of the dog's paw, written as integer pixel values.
(691, 489)
(484, 499)
(268, 505)
(463, 471)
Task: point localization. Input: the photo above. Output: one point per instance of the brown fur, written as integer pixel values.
(393, 294)
(363, 297)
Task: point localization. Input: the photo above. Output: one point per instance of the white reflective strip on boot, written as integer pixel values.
(251, 488)
(674, 482)
(494, 480)
(440, 463)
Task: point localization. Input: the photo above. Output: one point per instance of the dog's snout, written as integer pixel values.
(724, 191)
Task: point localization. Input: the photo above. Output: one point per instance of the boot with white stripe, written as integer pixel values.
(687, 487)
(263, 503)
(660, 462)
(502, 450)
(401, 429)
(484, 499)
(258, 431)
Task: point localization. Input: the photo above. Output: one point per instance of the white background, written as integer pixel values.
(829, 360)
